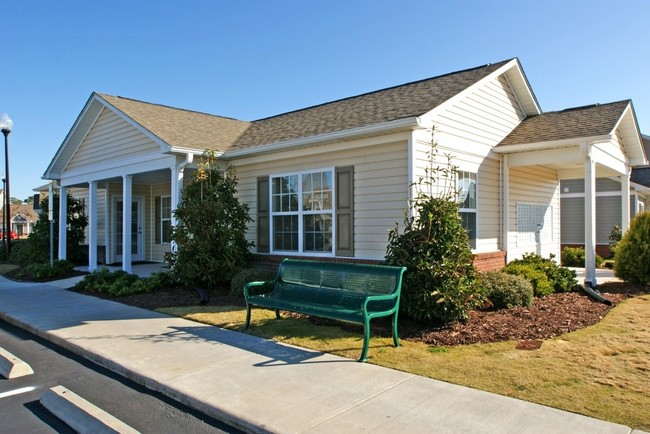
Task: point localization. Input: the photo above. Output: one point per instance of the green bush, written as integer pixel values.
(633, 252)
(41, 272)
(211, 232)
(120, 283)
(545, 274)
(250, 275)
(440, 282)
(20, 252)
(575, 257)
(506, 290)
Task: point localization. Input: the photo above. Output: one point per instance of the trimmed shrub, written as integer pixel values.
(41, 272)
(505, 290)
(575, 257)
(545, 274)
(120, 283)
(251, 275)
(633, 252)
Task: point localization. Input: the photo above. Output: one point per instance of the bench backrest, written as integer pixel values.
(361, 278)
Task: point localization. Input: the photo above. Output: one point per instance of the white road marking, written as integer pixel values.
(17, 391)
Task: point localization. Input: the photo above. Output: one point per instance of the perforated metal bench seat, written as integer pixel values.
(353, 293)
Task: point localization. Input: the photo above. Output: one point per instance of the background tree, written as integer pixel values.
(210, 236)
(36, 249)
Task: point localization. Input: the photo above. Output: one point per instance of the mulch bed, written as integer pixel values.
(548, 316)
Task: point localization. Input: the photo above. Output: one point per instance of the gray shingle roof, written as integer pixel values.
(587, 121)
(641, 175)
(178, 127)
(399, 102)
(190, 129)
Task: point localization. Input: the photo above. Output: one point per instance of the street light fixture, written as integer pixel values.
(5, 125)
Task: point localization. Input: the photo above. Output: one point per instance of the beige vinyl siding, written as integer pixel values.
(535, 185)
(479, 121)
(467, 130)
(111, 139)
(380, 186)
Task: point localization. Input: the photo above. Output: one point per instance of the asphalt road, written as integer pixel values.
(146, 411)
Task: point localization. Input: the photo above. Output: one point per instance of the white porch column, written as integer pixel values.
(505, 210)
(590, 218)
(63, 222)
(92, 223)
(127, 197)
(177, 185)
(625, 201)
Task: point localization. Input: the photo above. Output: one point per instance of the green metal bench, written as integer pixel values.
(353, 293)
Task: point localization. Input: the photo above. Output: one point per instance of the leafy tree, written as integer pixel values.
(210, 236)
(37, 247)
(633, 252)
(440, 282)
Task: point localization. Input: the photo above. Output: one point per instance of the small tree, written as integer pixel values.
(37, 247)
(633, 252)
(210, 236)
(440, 282)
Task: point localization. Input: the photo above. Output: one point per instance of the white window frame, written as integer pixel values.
(461, 174)
(301, 213)
(163, 219)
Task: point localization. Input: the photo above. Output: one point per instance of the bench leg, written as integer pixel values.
(395, 335)
(366, 340)
(248, 316)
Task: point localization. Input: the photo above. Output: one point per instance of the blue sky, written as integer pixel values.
(251, 59)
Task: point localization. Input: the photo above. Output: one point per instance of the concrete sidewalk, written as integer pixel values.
(263, 386)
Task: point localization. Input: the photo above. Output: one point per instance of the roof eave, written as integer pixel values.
(523, 147)
(410, 123)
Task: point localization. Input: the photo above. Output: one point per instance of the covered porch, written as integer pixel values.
(586, 142)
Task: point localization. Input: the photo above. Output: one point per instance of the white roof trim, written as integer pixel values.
(523, 147)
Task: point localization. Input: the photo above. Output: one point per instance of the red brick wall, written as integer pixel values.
(490, 261)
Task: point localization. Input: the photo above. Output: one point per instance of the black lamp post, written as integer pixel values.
(6, 124)
(4, 213)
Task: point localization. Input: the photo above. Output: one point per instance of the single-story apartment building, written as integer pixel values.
(329, 181)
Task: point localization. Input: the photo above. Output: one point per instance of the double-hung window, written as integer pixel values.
(468, 204)
(302, 212)
(163, 215)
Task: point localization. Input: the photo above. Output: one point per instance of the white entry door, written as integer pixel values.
(137, 225)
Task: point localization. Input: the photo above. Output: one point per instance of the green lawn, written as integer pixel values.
(602, 371)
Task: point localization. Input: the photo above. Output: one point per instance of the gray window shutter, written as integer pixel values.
(263, 224)
(344, 211)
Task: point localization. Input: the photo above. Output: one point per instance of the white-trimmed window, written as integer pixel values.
(163, 216)
(468, 204)
(302, 212)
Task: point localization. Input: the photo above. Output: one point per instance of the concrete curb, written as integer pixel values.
(13, 367)
(81, 415)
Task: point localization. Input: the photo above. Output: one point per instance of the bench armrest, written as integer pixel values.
(251, 285)
(372, 298)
